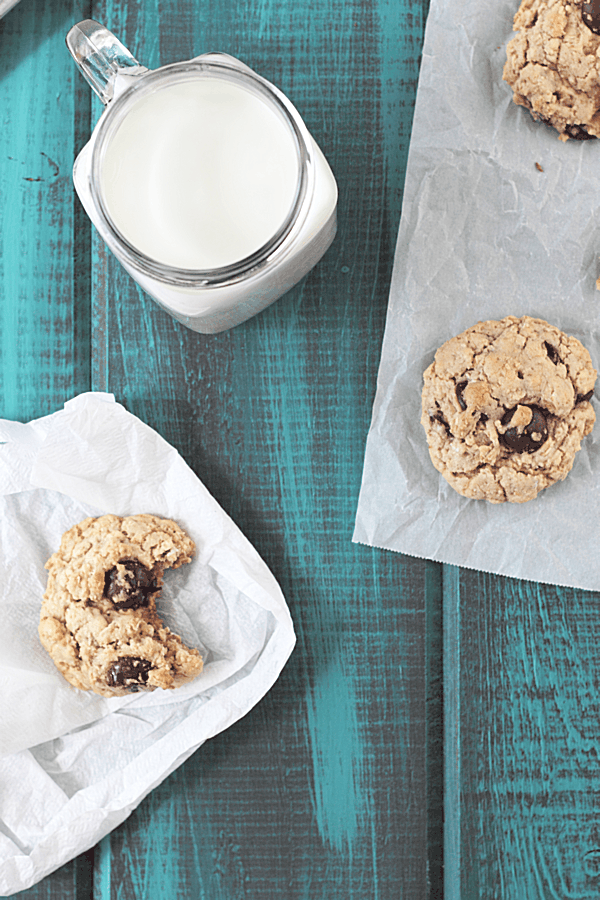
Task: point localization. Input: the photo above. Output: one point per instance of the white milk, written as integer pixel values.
(199, 165)
(200, 174)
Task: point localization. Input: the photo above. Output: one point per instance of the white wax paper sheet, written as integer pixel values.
(5, 5)
(73, 765)
(499, 218)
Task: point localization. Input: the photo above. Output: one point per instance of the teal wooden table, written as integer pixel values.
(430, 718)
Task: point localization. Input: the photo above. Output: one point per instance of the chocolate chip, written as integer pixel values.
(128, 671)
(532, 435)
(579, 133)
(585, 398)
(590, 13)
(552, 353)
(460, 388)
(131, 588)
(438, 416)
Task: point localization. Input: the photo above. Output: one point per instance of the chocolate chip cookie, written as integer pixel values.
(98, 619)
(505, 406)
(553, 64)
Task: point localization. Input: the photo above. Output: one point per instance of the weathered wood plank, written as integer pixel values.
(318, 791)
(44, 314)
(521, 689)
(321, 790)
(44, 250)
(73, 881)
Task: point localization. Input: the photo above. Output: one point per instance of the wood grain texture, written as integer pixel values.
(331, 787)
(322, 790)
(522, 747)
(319, 792)
(44, 249)
(44, 318)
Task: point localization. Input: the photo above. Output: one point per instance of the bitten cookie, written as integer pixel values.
(505, 406)
(98, 619)
(553, 64)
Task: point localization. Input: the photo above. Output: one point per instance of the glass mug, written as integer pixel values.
(202, 179)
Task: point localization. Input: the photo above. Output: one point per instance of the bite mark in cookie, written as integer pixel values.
(98, 619)
(505, 406)
(553, 65)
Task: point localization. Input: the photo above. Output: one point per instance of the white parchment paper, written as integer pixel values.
(5, 5)
(484, 234)
(74, 765)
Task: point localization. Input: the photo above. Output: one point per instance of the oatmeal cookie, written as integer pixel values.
(553, 64)
(505, 406)
(98, 619)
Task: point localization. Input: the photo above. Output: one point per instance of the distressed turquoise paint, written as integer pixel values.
(336, 746)
(154, 873)
(434, 725)
(319, 792)
(337, 755)
(401, 26)
(40, 343)
(102, 870)
(452, 734)
(525, 714)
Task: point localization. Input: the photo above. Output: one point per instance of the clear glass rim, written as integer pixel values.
(269, 252)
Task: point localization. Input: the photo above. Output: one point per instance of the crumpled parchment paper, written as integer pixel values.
(499, 218)
(5, 5)
(73, 765)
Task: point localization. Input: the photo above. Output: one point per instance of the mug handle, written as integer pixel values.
(100, 56)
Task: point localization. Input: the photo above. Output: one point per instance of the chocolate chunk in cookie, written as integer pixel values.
(128, 671)
(99, 621)
(553, 65)
(590, 13)
(526, 435)
(129, 584)
(505, 407)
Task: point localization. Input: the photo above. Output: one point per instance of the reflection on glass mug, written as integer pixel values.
(202, 179)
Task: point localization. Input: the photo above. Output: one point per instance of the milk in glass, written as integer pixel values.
(202, 179)
(200, 174)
